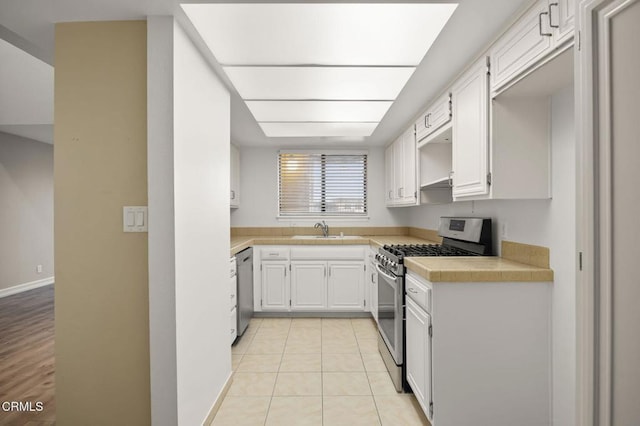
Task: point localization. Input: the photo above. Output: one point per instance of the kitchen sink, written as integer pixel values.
(320, 237)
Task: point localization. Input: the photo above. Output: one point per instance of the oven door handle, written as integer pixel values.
(390, 277)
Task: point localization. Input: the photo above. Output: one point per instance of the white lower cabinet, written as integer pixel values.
(233, 323)
(308, 286)
(418, 356)
(483, 357)
(275, 286)
(310, 278)
(346, 286)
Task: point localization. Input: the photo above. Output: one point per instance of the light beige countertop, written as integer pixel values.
(476, 269)
(435, 269)
(240, 243)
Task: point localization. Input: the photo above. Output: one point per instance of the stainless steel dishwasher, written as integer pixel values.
(244, 260)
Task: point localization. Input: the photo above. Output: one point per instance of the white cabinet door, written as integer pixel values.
(345, 286)
(389, 186)
(235, 177)
(418, 356)
(372, 282)
(408, 191)
(561, 17)
(308, 286)
(275, 286)
(470, 101)
(527, 41)
(437, 115)
(398, 170)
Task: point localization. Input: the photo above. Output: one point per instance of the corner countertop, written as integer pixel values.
(476, 269)
(240, 243)
(435, 269)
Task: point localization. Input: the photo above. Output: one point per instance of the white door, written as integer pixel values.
(275, 286)
(345, 286)
(308, 286)
(418, 355)
(608, 143)
(470, 102)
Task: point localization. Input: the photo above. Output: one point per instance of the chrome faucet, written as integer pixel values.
(324, 227)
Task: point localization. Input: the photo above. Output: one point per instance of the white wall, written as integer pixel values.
(189, 156)
(550, 223)
(259, 193)
(201, 187)
(161, 237)
(26, 213)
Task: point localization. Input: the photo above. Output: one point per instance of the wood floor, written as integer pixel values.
(27, 356)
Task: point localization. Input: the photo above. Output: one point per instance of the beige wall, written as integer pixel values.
(102, 326)
(26, 210)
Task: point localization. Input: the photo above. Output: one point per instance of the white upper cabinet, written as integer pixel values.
(470, 100)
(561, 14)
(234, 194)
(401, 171)
(408, 192)
(543, 28)
(436, 116)
(388, 175)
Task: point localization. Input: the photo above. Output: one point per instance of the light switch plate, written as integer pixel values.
(135, 219)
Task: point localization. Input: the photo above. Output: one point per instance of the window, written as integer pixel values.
(315, 184)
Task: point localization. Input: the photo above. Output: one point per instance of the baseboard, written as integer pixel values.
(218, 402)
(25, 287)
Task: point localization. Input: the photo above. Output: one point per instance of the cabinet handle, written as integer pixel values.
(429, 120)
(325, 271)
(233, 330)
(550, 21)
(233, 194)
(540, 24)
(390, 194)
(412, 290)
(426, 121)
(450, 179)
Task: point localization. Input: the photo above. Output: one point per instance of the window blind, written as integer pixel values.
(312, 184)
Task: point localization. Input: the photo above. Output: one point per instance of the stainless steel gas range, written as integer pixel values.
(462, 236)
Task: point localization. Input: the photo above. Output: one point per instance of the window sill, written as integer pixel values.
(317, 218)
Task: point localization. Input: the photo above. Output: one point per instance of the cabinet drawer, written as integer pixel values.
(233, 291)
(274, 253)
(233, 324)
(327, 253)
(418, 292)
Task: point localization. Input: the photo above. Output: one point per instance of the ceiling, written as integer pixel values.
(29, 24)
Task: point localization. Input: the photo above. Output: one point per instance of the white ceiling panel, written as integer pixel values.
(315, 83)
(317, 129)
(318, 110)
(323, 34)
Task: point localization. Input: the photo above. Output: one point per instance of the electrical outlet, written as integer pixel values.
(39, 269)
(503, 230)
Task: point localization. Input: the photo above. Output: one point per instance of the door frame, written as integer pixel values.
(594, 306)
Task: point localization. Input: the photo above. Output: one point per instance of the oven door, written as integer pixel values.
(390, 311)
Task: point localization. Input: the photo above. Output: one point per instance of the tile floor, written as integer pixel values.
(312, 371)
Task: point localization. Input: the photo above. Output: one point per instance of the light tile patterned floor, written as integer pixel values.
(312, 371)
